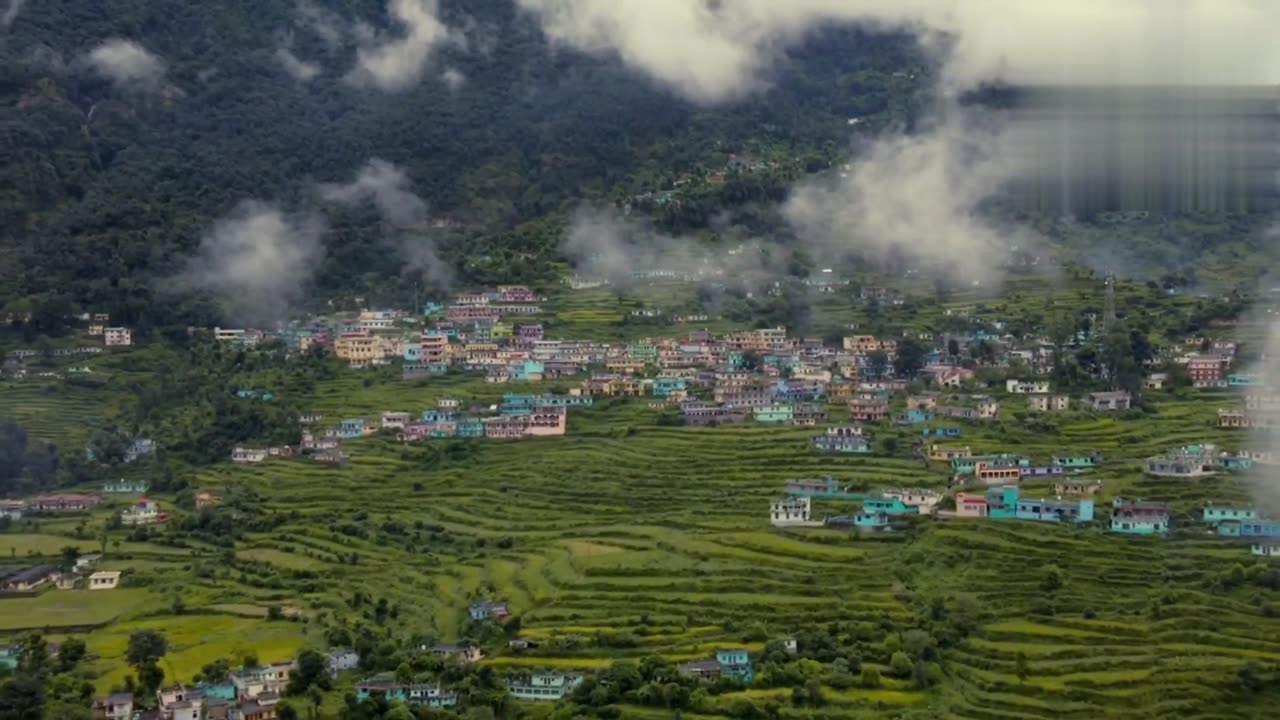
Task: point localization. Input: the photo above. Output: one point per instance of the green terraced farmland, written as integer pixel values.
(626, 539)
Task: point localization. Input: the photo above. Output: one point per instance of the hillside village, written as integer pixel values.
(938, 403)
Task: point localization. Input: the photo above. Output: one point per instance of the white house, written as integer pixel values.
(144, 512)
(1026, 387)
(248, 455)
(340, 660)
(106, 580)
(924, 500)
(117, 337)
(988, 409)
(115, 707)
(1266, 549)
(791, 512)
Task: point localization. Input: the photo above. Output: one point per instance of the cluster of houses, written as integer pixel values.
(879, 510)
(1195, 461)
(1261, 408)
(31, 579)
(247, 694)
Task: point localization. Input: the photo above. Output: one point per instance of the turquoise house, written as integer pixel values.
(967, 465)
(668, 386)
(1093, 459)
(432, 308)
(946, 432)
(435, 415)
(913, 416)
(871, 521)
(470, 427)
(254, 394)
(1002, 502)
(1054, 510)
(887, 506)
(775, 413)
(9, 657)
(735, 663)
(1244, 380)
(427, 695)
(351, 428)
(1234, 462)
(735, 359)
(1214, 514)
(412, 352)
(218, 691)
(526, 370)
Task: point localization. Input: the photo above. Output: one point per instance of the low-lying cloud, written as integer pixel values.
(10, 13)
(602, 244)
(257, 261)
(296, 67)
(405, 216)
(127, 64)
(711, 52)
(394, 64)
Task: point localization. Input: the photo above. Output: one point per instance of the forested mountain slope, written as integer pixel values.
(109, 184)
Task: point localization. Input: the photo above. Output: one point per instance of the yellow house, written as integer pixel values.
(945, 454)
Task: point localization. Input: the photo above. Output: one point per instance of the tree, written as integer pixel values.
(22, 698)
(285, 711)
(69, 554)
(870, 677)
(313, 671)
(900, 664)
(877, 363)
(70, 652)
(35, 654)
(1052, 580)
(1250, 676)
(920, 675)
(146, 647)
(909, 357)
(953, 348)
(1021, 667)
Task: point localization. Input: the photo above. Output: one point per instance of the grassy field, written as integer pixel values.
(626, 539)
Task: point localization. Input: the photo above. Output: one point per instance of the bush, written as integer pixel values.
(870, 677)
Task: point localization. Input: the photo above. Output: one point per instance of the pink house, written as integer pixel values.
(974, 506)
(505, 428)
(546, 421)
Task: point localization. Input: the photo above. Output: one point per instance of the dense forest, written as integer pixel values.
(109, 185)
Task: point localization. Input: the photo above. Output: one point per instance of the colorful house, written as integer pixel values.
(668, 386)
(735, 663)
(967, 465)
(773, 413)
(485, 610)
(125, 487)
(1139, 518)
(1055, 510)
(1250, 529)
(351, 428)
(946, 432)
(839, 440)
(526, 371)
(1214, 514)
(913, 416)
(546, 686)
(1093, 459)
(426, 695)
(884, 504)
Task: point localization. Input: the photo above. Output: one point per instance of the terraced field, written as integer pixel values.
(626, 539)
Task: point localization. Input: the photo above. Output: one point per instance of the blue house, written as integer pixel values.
(9, 655)
(1093, 459)
(1214, 514)
(735, 663)
(967, 465)
(1054, 510)
(432, 308)
(913, 416)
(947, 432)
(1234, 462)
(1250, 529)
(351, 428)
(254, 394)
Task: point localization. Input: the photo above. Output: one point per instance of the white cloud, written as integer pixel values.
(405, 216)
(128, 64)
(395, 64)
(453, 78)
(298, 69)
(711, 52)
(257, 261)
(10, 13)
